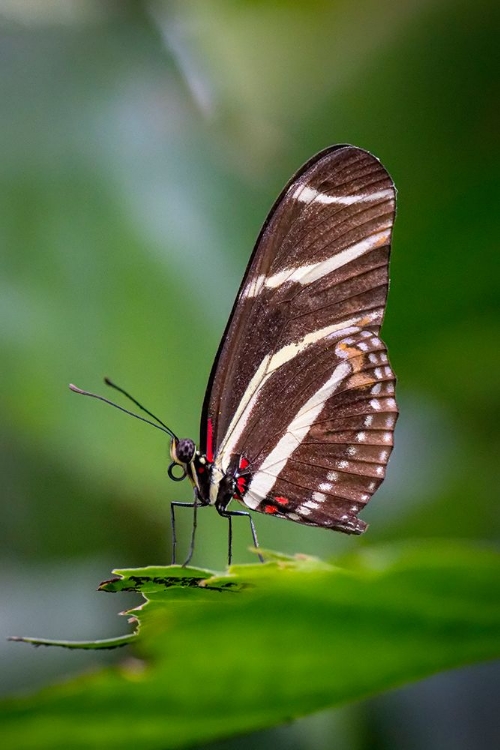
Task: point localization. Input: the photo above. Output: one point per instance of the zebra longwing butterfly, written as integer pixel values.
(299, 412)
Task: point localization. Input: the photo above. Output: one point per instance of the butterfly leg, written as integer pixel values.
(195, 506)
(229, 515)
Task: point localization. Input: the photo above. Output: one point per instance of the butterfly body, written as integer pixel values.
(299, 412)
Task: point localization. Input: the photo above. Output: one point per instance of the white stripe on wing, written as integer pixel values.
(314, 271)
(268, 366)
(262, 481)
(309, 195)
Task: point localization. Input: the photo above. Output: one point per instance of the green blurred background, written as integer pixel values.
(142, 144)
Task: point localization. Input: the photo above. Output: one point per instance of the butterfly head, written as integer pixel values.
(193, 465)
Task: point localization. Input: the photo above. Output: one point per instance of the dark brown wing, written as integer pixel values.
(314, 292)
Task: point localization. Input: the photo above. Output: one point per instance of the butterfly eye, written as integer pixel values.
(183, 451)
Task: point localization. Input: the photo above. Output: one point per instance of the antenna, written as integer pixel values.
(163, 427)
(134, 401)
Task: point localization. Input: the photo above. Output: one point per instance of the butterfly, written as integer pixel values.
(299, 412)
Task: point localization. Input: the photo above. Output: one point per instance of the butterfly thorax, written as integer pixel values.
(212, 485)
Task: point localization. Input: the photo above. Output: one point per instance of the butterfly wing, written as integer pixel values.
(301, 388)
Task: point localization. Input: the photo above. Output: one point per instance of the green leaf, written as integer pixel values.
(221, 654)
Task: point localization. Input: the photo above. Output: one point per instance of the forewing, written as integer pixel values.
(318, 275)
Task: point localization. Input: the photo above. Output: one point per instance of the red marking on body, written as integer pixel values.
(201, 469)
(244, 462)
(282, 500)
(270, 509)
(210, 441)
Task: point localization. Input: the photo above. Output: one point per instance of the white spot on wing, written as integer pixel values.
(311, 504)
(319, 497)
